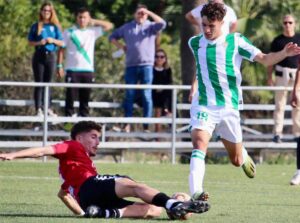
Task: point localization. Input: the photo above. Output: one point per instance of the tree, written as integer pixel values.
(186, 32)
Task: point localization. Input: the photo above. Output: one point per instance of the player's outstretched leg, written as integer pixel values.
(249, 167)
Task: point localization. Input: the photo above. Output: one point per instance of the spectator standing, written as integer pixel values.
(139, 37)
(285, 72)
(79, 44)
(230, 19)
(295, 102)
(46, 37)
(162, 75)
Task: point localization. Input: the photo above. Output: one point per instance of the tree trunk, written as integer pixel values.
(187, 30)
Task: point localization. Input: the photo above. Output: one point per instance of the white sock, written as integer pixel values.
(244, 155)
(121, 212)
(197, 171)
(170, 202)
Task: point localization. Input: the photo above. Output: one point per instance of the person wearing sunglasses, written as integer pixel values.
(162, 75)
(46, 37)
(285, 72)
(285, 75)
(139, 46)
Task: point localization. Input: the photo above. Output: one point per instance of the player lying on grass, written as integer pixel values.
(89, 194)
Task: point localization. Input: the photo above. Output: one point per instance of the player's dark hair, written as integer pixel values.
(84, 126)
(213, 11)
(82, 10)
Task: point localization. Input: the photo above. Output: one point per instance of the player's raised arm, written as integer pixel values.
(269, 59)
(30, 152)
(106, 25)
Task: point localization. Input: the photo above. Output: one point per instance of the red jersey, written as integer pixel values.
(75, 165)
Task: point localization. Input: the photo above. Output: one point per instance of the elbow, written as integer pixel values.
(31, 43)
(110, 26)
(60, 195)
(187, 16)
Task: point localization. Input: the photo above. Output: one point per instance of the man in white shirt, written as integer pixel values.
(79, 44)
(230, 19)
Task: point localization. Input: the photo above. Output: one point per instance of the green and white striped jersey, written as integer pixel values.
(218, 72)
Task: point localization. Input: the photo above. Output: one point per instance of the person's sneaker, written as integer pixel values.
(295, 179)
(182, 208)
(200, 196)
(249, 167)
(127, 128)
(51, 113)
(40, 113)
(276, 139)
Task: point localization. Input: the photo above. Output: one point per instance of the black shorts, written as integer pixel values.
(99, 190)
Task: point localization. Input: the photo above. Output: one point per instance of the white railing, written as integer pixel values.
(171, 120)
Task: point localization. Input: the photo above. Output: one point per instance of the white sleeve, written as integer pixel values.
(246, 49)
(98, 31)
(231, 16)
(196, 12)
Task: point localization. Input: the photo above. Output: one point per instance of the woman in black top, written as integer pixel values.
(162, 75)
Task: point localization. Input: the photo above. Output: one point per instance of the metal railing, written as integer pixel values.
(172, 120)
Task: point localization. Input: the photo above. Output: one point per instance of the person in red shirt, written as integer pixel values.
(89, 194)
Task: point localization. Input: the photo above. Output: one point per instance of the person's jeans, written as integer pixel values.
(141, 75)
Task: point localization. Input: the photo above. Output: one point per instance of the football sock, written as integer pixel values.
(96, 212)
(172, 203)
(163, 200)
(112, 213)
(244, 155)
(197, 171)
(160, 199)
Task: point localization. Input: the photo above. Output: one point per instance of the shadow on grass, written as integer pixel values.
(35, 215)
(63, 216)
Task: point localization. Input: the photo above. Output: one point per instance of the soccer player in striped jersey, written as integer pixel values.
(216, 92)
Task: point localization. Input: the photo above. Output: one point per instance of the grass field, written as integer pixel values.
(28, 192)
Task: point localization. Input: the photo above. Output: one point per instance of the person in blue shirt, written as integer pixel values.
(139, 37)
(45, 35)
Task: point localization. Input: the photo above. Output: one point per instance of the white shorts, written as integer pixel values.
(225, 122)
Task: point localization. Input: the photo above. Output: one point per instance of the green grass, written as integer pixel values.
(28, 192)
